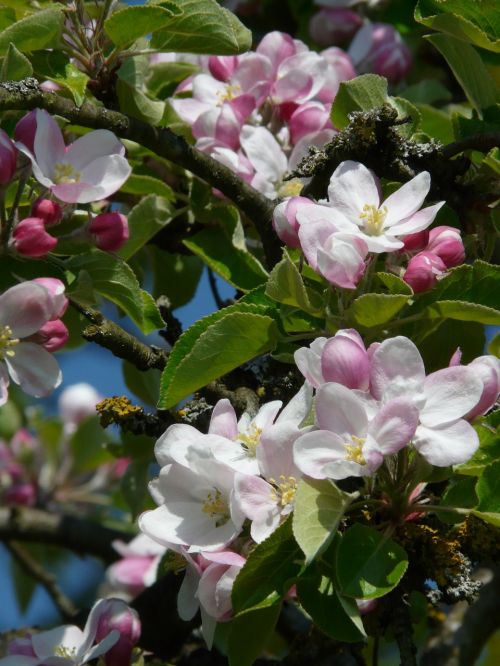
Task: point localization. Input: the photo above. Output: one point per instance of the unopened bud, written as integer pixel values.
(416, 242)
(25, 130)
(308, 118)
(345, 360)
(285, 221)
(222, 67)
(52, 336)
(8, 157)
(423, 271)
(77, 402)
(446, 243)
(31, 239)
(110, 231)
(116, 614)
(49, 211)
(334, 25)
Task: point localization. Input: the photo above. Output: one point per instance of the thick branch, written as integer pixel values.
(162, 141)
(66, 607)
(482, 142)
(81, 536)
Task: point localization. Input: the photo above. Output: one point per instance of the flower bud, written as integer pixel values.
(21, 494)
(308, 118)
(50, 86)
(334, 25)
(110, 231)
(488, 371)
(222, 67)
(77, 402)
(379, 48)
(116, 614)
(22, 646)
(446, 243)
(56, 289)
(25, 130)
(285, 221)
(30, 238)
(423, 271)
(456, 358)
(8, 157)
(49, 211)
(344, 360)
(393, 61)
(52, 336)
(416, 242)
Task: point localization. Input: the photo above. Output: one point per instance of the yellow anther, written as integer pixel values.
(6, 342)
(284, 490)
(355, 450)
(373, 219)
(65, 173)
(66, 652)
(250, 440)
(216, 507)
(231, 92)
(290, 188)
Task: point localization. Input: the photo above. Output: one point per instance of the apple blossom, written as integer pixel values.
(52, 336)
(115, 614)
(349, 442)
(379, 48)
(30, 238)
(423, 271)
(285, 221)
(487, 369)
(25, 130)
(109, 231)
(76, 403)
(138, 567)
(24, 309)
(56, 289)
(308, 118)
(447, 244)
(8, 158)
(334, 25)
(415, 242)
(49, 211)
(91, 168)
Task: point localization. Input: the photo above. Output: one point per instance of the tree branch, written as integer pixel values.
(27, 94)
(482, 142)
(81, 536)
(66, 607)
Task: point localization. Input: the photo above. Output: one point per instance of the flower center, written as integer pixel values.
(7, 341)
(231, 91)
(66, 652)
(373, 219)
(216, 507)
(355, 450)
(65, 173)
(249, 440)
(284, 490)
(290, 188)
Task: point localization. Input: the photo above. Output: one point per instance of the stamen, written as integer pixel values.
(355, 450)
(373, 219)
(284, 490)
(65, 173)
(290, 188)
(66, 652)
(7, 341)
(231, 91)
(216, 507)
(250, 440)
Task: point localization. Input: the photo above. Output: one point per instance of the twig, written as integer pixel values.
(45, 578)
(403, 630)
(482, 142)
(76, 534)
(27, 94)
(219, 302)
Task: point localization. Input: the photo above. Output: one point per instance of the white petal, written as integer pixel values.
(352, 186)
(339, 410)
(104, 176)
(187, 601)
(397, 369)
(4, 384)
(417, 222)
(34, 369)
(405, 201)
(394, 425)
(314, 450)
(174, 443)
(452, 444)
(450, 393)
(46, 642)
(298, 407)
(102, 647)
(49, 145)
(223, 420)
(266, 414)
(264, 152)
(25, 308)
(91, 146)
(275, 452)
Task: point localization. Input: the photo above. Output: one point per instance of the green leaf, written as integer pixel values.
(15, 65)
(368, 564)
(10, 420)
(143, 184)
(337, 616)
(175, 276)
(250, 632)
(223, 249)
(286, 285)
(127, 25)
(371, 310)
(494, 346)
(469, 70)
(145, 385)
(488, 489)
(488, 517)
(392, 283)
(319, 507)
(476, 22)
(204, 27)
(460, 493)
(88, 446)
(464, 311)
(163, 77)
(36, 31)
(427, 91)
(213, 346)
(145, 220)
(114, 279)
(24, 585)
(134, 486)
(138, 105)
(269, 571)
(360, 94)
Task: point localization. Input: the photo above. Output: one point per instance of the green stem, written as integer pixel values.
(429, 508)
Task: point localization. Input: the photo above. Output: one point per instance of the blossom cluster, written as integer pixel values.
(241, 477)
(337, 236)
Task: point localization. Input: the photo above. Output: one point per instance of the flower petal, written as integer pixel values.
(91, 146)
(25, 308)
(223, 421)
(34, 369)
(451, 444)
(407, 199)
(394, 425)
(450, 393)
(298, 407)
(46, 642)
(314, 450)
(4, 384)
(264, 152)
(396, 369)
(352, 186)
(173, 444)
(339, 410)
(98, 180)
(49, 145)
(416, 222)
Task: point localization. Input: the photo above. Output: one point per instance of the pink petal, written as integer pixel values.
(316, 226)
(451, 444)
(49, 145)
(405, 201)
(339, 410)
(223, 420)
(34, 369)
(92, 146)
(4, 384)
(344, 361)
(450, 393)
(394, 425)
(25, 307)
(253, 495)
(396, 369)
(416, 222)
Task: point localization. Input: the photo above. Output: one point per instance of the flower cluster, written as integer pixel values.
(257, 113)
(337, 236)
(369, 405)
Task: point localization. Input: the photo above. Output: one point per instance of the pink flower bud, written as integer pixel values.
(222, 67)
(334, 25)
(21, 646)
(110, 231)
(52, 336)
(50, 86)
(56, 289)
(393, 61)
(344, 360)
(116, 614)
(22, 494)
(130, 573)
(416, 242)
(8, 157)
(379, 48)
(25, 130)
(308, 118)
(446, 243)
(49, 211)
(285, 221)
(455, 358)
(488, 370)
(423, 271)
(30, 238)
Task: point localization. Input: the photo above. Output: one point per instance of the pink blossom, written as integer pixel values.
(416, 242)
(52, 336)
(90, 169)
(25, 130)
(8, 157)
(379, 48)
(285, 221)
(56, 289)
(116, 615)
(109, 231)
(308, 118)
(447, 244)
(344, 360)
(30, 239)
(334, 25)
(487, 369)
(223, 67)
(423, 271)
(138, 566)
(49, 211)
(24, 309)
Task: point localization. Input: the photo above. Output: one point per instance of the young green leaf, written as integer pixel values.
(250, 633)
(126, 25)
(15, 66)
(375, 309)
(286, 285)
(39, 30)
